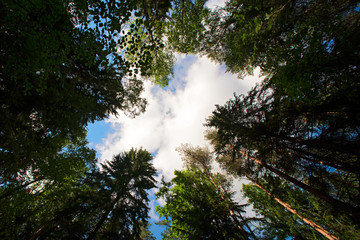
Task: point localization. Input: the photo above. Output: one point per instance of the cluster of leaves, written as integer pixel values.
(185, 29)
(195, 208)
(146, 53)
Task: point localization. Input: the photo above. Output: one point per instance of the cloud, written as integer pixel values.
(152, 212)
(212, 4)
(175, 114)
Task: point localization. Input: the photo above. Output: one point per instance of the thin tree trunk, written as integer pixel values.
(314, 225)
(208, 173)
(232, 214)
(221, 190)
(99, 224)
(47, 226)
(334, 202)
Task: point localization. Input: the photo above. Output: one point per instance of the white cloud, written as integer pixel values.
(175, 115)
(152, 212)
(215, 3)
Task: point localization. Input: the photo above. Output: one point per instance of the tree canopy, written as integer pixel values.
(295, 136)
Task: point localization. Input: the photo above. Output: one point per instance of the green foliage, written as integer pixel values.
(185, 30)
(299, 144)
(33, 198)
(56, 76)
(146, 233)
(143, 46)
(303, 120)
(147, 53)
(289, 139)
(272, 35)
(196, 209)
(85, 202)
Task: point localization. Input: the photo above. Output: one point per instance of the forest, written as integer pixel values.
(294, 137)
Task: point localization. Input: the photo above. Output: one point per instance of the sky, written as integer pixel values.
(175, 115)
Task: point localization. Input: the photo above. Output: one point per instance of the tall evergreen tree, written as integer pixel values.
(259, 129)
(113, 204)
(125, 208)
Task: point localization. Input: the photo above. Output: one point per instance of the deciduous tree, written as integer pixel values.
(196, 209)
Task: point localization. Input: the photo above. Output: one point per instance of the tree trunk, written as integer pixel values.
(353, 211)
(205, 167)
(232, 214)
(99, 224)
(47, 225)
(314, 225)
